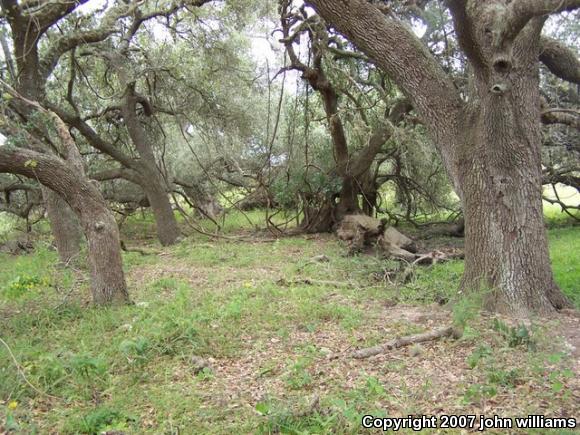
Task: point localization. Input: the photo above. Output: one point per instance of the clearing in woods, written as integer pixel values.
(254, 336)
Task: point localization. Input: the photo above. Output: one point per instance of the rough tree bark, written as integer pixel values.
(26, 32)
(491, 145)
(104, 249)
(150, 177)
(64, 226)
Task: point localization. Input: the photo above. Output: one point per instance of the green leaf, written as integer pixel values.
(31, 163)
(11, 422)
(263, 408)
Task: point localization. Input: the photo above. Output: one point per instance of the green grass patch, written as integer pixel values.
(246, 305)
(565, 256)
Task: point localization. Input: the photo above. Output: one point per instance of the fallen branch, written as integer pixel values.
(139, 251)
(396, 343)
(310, 281)
(435, 257)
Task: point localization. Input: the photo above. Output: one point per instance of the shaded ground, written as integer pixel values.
(269, 345)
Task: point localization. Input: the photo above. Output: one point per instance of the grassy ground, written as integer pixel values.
(268, 340)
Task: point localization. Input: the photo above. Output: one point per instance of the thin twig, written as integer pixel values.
(21, 372)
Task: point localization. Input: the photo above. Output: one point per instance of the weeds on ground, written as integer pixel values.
(129, 368)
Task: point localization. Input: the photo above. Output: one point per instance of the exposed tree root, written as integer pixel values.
(396, 343)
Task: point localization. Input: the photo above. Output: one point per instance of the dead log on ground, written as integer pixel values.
(363, 232)
(360, 232)
(396, 343)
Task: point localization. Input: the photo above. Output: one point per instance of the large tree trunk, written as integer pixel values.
(500, 174)
(348, 202)
(506, 246)
(490, 145)
(64, 226)
(104, 250)
(324, 217)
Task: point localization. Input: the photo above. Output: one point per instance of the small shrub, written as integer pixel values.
(101, 420)
(21, 285)
(477, 355)
(477, 393)
(559, 378)
(88, 367)
(50, 371)
(466, 309)
(135, 350)
(515, 335)
(281, 418)
(298, 376)
(504, 378)
(90, 375)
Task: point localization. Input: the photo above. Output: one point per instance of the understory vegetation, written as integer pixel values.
(249, 216)
(276, 322)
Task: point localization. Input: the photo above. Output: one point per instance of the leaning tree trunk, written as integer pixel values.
(104, 250)
(165, 221)
(151, 179)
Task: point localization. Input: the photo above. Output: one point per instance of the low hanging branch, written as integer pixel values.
(396, 343)
(201, 231)
(565, 207)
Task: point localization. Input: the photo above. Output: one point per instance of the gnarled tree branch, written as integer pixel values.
(519, 12)
(560, 60)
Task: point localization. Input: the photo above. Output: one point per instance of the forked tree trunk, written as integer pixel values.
(64, 226)
(104, 250)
